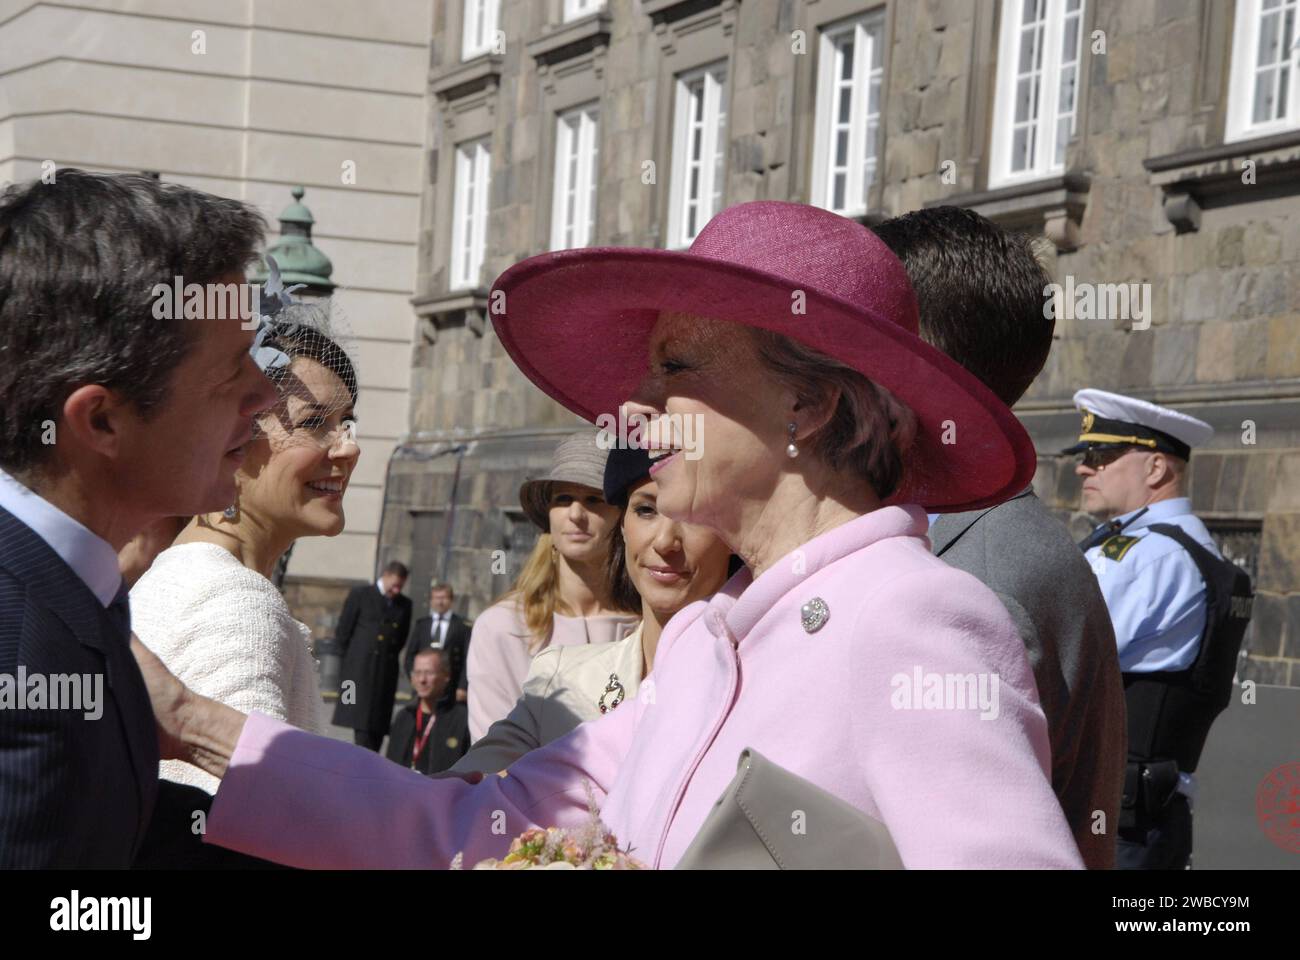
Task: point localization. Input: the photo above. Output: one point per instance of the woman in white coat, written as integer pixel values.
(207, 606)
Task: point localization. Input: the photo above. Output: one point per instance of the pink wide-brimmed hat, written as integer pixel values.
(578, 324)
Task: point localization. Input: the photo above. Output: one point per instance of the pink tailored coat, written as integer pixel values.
(913, 701)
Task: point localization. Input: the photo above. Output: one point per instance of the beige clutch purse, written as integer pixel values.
(770, 819)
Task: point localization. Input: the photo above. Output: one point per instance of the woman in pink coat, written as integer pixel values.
(797, 414)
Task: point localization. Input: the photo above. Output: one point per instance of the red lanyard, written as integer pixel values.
(423, 738)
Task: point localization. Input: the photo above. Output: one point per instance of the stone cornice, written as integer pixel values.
(466, 79)
(1057, 203)
(571, 40)
(1224, 175)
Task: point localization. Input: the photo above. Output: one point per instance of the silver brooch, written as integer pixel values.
(616, 689)
(814, 614)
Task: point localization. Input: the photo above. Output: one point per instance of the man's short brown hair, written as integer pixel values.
(981, 293)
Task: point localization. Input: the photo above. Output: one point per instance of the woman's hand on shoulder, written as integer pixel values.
(167, 695)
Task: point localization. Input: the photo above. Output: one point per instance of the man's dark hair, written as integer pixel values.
(79, 259)
(429, 651)
(442, 587)
(397, 567)
(980, 290)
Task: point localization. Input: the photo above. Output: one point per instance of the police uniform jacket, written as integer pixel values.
(1152, 588)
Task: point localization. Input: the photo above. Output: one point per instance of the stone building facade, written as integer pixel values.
(1159, 176)
(249, 99)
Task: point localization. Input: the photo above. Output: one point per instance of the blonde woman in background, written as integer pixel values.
(563, 595)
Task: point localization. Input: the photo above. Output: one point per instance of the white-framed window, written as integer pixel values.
(470, 212)
(1264, 89)
(846, 143)
(573, 9)
(577, 153)
(1037, 105)
(699, 150)
(480, 27)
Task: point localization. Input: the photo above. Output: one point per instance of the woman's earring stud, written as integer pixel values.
(791, 450)
(231, 512)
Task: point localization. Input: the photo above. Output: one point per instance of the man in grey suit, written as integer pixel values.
(980, 293)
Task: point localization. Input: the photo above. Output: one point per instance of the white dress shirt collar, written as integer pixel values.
(90, 557)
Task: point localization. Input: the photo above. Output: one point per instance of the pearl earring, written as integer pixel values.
(791, 450)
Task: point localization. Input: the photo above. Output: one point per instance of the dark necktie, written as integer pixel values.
(1104, 531)
(119, 612)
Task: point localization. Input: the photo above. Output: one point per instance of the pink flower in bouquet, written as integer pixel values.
(590, 847)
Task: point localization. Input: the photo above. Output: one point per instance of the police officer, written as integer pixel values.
(1134, 470)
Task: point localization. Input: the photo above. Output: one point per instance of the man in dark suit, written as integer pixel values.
(443, 629)
(117, 408)
(432, 733)
(981, 294)
(372, 631)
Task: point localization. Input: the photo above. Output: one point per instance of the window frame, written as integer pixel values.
(479, 166)
(577, 9)
(1045, 123)
(713, 122)
(491, 20)
(1244, 67)
(586, 174)
(870, 25)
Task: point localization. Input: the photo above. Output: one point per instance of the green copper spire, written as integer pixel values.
(299, 260)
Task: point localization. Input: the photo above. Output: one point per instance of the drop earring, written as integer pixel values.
(791, 450)
(231, 512)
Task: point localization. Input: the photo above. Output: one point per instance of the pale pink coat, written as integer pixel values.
(954, 789)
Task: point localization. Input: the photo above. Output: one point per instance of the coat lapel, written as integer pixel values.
(950, 527)
(57, 588)
(51, 581)
(629, 663)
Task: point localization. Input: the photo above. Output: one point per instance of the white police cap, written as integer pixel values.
(1112, 418)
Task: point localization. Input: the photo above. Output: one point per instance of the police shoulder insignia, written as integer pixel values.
(1118, 545)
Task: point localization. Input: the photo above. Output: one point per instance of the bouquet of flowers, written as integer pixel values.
(589, 847)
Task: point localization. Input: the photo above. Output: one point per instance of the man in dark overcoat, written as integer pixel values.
(372, 631)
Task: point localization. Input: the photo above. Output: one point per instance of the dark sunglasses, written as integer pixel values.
(1094, 458)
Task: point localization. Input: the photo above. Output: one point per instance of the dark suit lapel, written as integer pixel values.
(50, 581)
(57, 588)
(950, 527)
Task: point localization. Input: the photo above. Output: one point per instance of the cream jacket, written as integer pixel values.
(563, 689)
(226, 632)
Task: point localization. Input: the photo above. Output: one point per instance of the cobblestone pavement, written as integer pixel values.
(326, 715)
